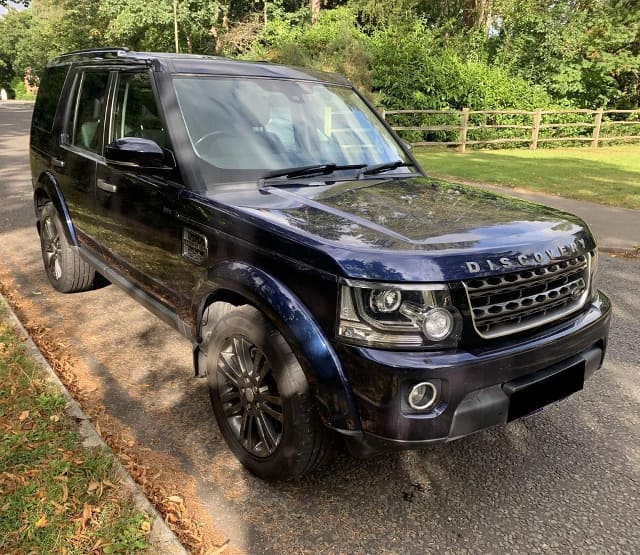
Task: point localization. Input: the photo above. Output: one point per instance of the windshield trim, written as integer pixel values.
(183, 75)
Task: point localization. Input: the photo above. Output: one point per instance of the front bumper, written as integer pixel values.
(477, 389)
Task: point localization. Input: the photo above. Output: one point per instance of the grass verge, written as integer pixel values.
(608, 175)
(56, 496)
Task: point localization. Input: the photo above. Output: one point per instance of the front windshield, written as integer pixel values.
(250, 125)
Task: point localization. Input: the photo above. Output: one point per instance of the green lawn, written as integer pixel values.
(607, 175)
(56, 496)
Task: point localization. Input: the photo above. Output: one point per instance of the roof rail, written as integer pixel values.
(106, 50)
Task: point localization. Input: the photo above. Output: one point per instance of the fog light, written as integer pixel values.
(438, 324)
(422, 396)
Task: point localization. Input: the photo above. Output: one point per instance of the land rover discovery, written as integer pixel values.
(329, 287)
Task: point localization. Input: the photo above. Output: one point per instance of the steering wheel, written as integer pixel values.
(215, 135)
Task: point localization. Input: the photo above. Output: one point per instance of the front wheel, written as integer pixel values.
(261, 398)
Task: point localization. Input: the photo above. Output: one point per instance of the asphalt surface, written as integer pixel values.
(566, 480)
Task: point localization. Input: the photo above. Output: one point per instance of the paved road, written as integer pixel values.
(566, 480)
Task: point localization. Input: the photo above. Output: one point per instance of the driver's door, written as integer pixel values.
(138, 231)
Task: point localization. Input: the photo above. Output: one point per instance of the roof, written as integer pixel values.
(195, 64)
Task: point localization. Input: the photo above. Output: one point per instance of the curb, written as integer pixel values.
(161, 539)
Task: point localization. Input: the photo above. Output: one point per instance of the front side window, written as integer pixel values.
(245, 125)
(88, 114)
(135, 112)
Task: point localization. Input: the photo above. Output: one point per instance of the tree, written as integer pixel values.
(55, 27)
(315, 10)
(144, 25)
(588, 56)
(13, 26)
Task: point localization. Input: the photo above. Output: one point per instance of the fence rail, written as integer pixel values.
(469, 126)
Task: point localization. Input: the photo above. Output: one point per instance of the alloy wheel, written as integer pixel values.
(249, 395)
(52, 247)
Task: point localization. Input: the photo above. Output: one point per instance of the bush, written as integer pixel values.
(335, 43)
(414, 69)
(19, 89)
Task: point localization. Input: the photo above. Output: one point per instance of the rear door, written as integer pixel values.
(81, 147)
(138, 225)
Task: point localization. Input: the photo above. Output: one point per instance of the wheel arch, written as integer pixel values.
(240, 283)
(48, 190)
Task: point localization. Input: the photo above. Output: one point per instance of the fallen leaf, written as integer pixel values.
(175, 499)
(171, 517)
(23, 415)
(42, 522)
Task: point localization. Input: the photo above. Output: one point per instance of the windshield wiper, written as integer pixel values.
(379, 168)
(309, 171)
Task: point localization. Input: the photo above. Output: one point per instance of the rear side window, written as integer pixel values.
(88, 114)
(51, 85)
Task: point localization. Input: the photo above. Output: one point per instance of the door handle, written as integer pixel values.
(57, 163)
(106, 186)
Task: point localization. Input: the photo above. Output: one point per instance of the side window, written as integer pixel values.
(89, 111)
(48, 94)
(136, 113)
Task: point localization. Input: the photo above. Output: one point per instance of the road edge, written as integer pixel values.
(161, 537)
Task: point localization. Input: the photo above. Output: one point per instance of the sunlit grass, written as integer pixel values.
(56, 496)
(607, 175)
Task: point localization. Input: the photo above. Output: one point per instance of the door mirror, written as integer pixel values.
(136, 152)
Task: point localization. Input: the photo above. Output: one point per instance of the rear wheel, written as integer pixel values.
(261, 398)
(67, 272)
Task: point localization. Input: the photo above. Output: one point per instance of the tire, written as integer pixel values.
(67, 272)
(261, 399)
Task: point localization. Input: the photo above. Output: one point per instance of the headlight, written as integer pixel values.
(398, 316)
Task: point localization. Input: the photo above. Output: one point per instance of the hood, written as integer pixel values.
(416, 229)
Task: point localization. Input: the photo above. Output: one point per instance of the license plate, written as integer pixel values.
(532, 393)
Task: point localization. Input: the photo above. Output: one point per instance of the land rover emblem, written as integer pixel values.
(578, 290)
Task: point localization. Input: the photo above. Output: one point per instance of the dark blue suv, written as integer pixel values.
(329, 288)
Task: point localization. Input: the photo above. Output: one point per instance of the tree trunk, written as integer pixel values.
(315, 10)
(175, 24)
(477, 13)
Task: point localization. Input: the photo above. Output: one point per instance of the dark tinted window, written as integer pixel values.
(48, 94)
(89, 111)
(136, 113)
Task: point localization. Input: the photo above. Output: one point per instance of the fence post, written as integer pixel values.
(596, 129)
(464, 125)
(535, 129)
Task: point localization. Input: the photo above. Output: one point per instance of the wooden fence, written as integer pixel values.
(601, 122)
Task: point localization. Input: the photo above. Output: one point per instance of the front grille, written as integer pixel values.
(506, 304)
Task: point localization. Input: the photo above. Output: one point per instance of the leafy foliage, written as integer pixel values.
(588, 56)
(407, 53)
